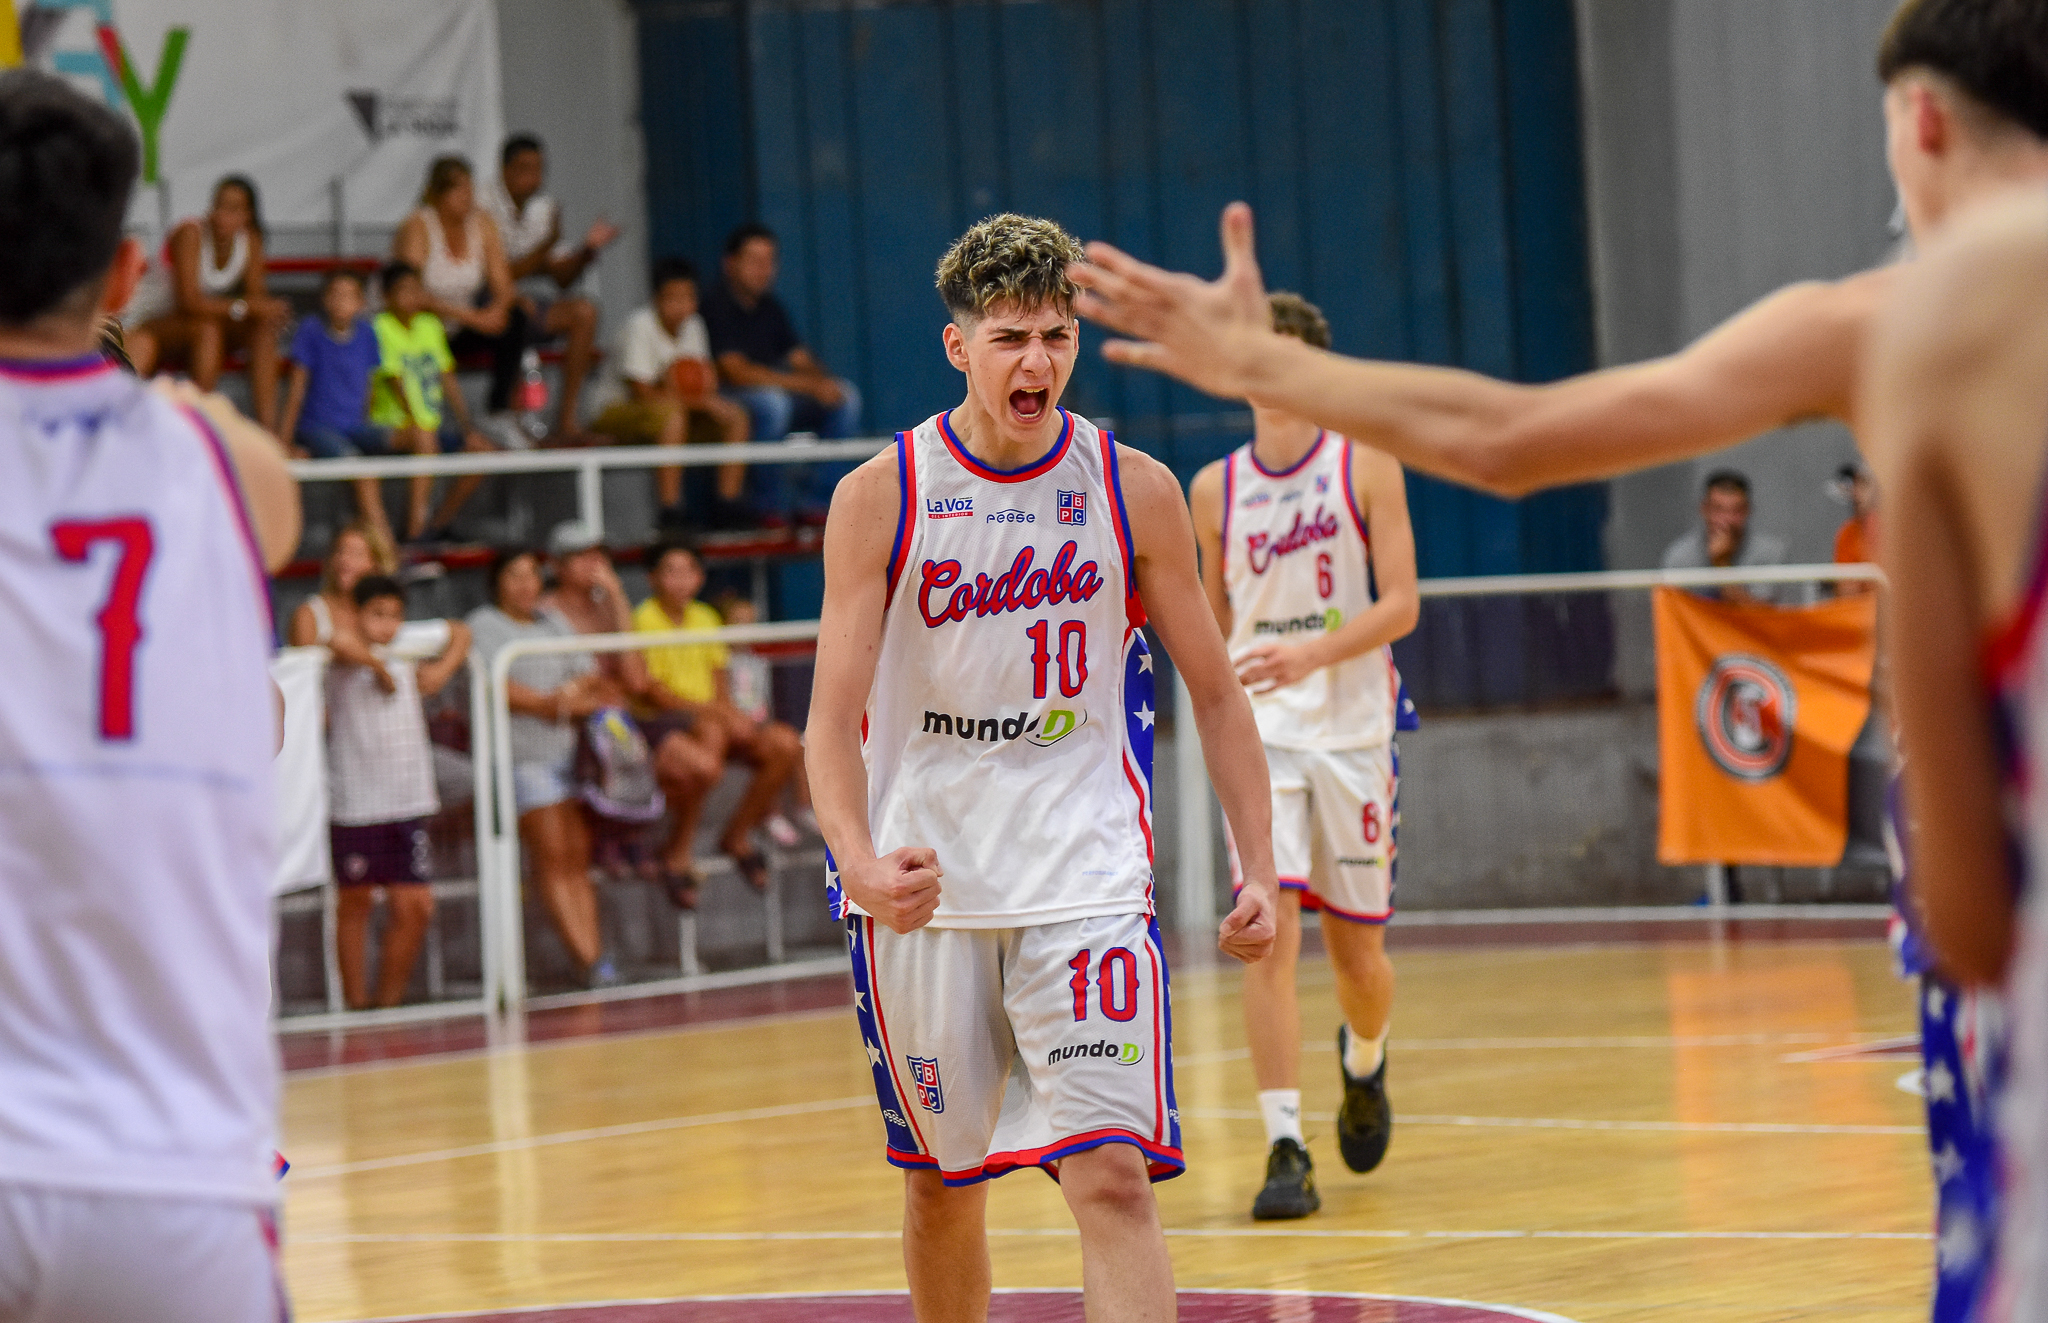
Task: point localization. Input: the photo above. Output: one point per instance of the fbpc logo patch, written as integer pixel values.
(930, 1094)
(1073, 508)
(1746, 712)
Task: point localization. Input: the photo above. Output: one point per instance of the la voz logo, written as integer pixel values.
(1073, 508)
(948, 507)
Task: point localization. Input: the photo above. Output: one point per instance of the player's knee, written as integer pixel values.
(413, 905)
(928, 1200)
(1112, 1181)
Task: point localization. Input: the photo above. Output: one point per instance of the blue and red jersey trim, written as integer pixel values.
(1357, 519)
(1039, 467)
(1134, 605)
(1252, 450)
(1229, 500)
(56, 369)
(1162, 1163)
(231, 487)
(906, 480)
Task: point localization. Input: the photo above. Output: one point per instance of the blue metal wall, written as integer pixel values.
(1414, 164)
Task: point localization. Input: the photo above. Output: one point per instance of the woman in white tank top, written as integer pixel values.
(328, 618)
(206, 295)
(455, 246)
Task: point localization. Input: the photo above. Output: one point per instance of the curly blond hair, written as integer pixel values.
(1009, 258)
(1296, 316)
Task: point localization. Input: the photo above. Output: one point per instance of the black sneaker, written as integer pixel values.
(1365, 1122)
(1290, 1184)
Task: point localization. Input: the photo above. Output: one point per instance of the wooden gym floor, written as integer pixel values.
(1602, 1122)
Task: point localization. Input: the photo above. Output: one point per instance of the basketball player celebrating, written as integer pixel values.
(1297, 530)
(1966, 116)
(980, 756)
(1956, 398)
(136, 736)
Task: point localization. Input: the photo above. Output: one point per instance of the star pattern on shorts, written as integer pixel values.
(852, 939)
(874, 1053)
(1941, 1083)
(1947, 1163)
(1145, 714)
(1937, 1001)
(1144, 662)
(860, 1000)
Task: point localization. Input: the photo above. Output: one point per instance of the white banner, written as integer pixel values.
(293, 93)
(303, 859)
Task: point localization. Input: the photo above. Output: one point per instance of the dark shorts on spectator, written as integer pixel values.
(661, 725)
(379, 854)
(343, 442)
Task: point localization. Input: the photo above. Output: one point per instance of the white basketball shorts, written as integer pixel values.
(1335, 817)
(70, 1255)
(995, 1049)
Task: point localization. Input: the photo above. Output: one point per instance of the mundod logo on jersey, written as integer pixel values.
(931, 1095)
(1018, 588)
(1124, 1054)
(1262, 548)
(1747, 711)
(1051, 728)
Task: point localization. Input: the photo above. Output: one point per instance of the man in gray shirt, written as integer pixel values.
(1723, 539)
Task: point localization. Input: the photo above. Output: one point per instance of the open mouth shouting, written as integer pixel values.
(1029, 406)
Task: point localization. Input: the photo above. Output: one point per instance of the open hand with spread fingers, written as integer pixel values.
(1207, 333)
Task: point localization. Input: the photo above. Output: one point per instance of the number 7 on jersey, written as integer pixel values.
(119, 620)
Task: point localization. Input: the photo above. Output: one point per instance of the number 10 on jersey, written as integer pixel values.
(1073, 656)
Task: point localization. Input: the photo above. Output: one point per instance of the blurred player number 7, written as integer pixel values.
(119, 618)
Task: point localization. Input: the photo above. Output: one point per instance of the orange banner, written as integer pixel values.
(1756, 709)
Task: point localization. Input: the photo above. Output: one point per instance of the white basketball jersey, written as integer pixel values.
(1011, 721)
(1297, 563)
(136, 736)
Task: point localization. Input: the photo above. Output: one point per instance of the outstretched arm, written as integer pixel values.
(1789, 357)
(900, 890)
(1172, 592)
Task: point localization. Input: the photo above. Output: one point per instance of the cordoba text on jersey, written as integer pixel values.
(1262, 548)
(1019, 588)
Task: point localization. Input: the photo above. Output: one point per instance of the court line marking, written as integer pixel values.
(1070, 1233)
(1509, 1311)
(861, 1101)
(1851, 1051)
(1576, 1123)
(1653, 1041)
(580, 1136)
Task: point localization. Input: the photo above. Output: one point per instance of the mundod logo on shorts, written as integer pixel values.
(931, 1095)
(1124, 1054)
(1746, 710)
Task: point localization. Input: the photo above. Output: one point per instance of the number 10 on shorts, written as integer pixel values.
(1116, 982)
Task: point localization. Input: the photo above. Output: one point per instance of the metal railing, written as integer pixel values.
(1195, 802)
(589, 464)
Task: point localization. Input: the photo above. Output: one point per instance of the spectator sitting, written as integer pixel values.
(1723, 540)
(207, 294)
(414, 383)
(687, 761)
(643, 396)
(1853, 543)
(549, 693)
(328, 618)
(381, 793)
(750, 681)
(456, 249)
(326, 406)
(697, 674)
(543, 268)
(765, 366)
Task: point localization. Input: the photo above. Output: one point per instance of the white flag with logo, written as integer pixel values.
(293, 93)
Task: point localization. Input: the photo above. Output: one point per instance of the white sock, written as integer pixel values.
(1362, 1055)
(1282, 1110)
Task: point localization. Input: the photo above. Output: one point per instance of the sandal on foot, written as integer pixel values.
(680, 888)
(752, 868)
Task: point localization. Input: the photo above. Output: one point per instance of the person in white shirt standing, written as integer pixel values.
(659, 382)
(546, 270)
(138, 1079)
(1309, 563)
(380, 783)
